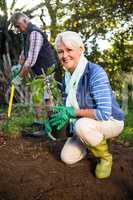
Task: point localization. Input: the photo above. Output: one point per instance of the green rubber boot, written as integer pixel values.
(103, 168)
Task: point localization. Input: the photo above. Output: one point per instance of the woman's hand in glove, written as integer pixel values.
(62, 116)
(48, 129)
(17, 80)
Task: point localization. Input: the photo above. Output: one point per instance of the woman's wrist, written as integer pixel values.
(85, 113)
(78, 112)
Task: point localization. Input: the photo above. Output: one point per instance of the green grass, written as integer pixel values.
(127, 134)
(21, 118)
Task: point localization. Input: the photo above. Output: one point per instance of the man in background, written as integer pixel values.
(37, 54)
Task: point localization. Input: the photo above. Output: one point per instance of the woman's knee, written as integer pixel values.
(88, 132)
(66, 158)
(79, 126)
(114, 129)
(83, 125)
(73, 151)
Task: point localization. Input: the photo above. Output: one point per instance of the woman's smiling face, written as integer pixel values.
(69, 56)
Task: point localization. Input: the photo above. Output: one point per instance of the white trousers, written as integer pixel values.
(88, 132)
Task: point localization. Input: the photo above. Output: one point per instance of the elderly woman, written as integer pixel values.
(90, 106)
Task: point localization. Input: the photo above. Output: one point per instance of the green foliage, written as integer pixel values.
(37, 87)
(127, 134)
(98, 17)
(116, 59)
(94, 20)
(21, 118)
(3, 6)
(56, 10)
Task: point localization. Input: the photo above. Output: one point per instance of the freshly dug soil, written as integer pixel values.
(30, 169)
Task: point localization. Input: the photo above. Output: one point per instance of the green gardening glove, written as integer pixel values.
(15, 70)
(48, 130)
(62, 116)
(15, 75)
(17, 80)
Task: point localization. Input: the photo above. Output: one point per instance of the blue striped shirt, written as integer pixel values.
(94, 92)
(101, 92)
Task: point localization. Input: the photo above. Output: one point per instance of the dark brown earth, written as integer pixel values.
(30, 169)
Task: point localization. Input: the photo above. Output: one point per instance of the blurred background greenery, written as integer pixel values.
(105, 26)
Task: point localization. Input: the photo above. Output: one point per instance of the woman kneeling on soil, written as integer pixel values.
(90, 106)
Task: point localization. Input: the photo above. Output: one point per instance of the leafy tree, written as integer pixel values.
(94, 20)
(56, 10)
(9, 42)
(99, 19)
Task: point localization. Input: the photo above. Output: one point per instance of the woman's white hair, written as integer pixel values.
(70, 39)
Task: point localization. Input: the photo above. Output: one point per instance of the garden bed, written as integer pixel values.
(30, 169)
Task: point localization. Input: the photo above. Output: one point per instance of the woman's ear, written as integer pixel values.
(82, 50)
